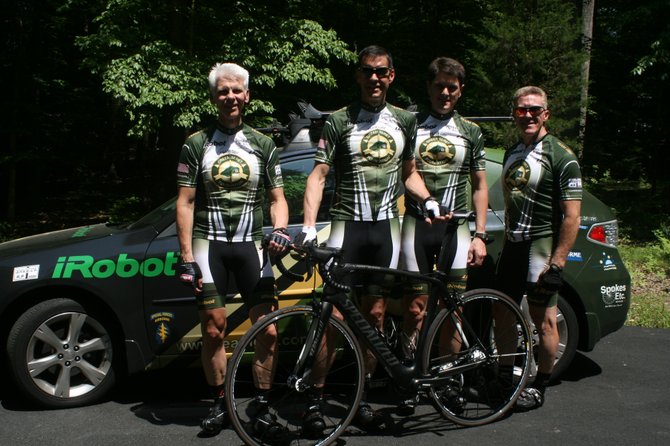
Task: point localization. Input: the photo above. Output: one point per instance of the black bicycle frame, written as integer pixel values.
(406, 377)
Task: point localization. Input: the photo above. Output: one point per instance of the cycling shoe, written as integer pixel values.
(367, 418)
(529, 399)
(407, 407)
(215, 421)
(265, 427)
(313, 423)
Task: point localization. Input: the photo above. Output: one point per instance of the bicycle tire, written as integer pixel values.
(488, 384)
(342, 390)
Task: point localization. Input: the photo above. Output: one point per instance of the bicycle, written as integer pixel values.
(459, 362)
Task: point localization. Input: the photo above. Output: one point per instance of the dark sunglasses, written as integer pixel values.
(379, 71)
(534, 111)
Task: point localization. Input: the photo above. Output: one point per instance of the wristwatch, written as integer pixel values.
(482, 235)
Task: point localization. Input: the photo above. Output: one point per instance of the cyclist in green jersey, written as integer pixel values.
(449, 150)
(542, 187)
(221, 175)
(370, 145)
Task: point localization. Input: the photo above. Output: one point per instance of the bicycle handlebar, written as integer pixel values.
(329, 260)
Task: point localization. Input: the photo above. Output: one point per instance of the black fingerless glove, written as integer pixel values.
(551, 280)
(189, 273)
(281, 237)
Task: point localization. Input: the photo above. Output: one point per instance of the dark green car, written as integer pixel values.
(80, 307)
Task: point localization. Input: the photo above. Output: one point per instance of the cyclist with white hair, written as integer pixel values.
(221, 175)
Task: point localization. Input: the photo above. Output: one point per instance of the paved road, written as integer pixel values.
(617, 394)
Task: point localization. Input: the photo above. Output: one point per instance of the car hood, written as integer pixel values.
(56, 238)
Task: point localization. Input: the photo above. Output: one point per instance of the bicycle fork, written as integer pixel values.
(300, 379)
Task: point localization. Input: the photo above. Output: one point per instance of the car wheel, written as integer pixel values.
(568, 333)
(60, 355)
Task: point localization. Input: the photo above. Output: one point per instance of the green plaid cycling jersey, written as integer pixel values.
(535, 179)
(367, 148)
(230, 170)
(447, 149)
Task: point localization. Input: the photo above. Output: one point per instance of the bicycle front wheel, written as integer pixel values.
(264, 364)
(483, 352)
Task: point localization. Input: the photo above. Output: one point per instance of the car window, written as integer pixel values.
(295, 174)
(493, 173)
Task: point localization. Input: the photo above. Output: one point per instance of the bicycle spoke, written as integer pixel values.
(287, 393)
(485, 353)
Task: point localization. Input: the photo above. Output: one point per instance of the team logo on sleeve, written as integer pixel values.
(378, 147)
(517, 176)
(230, 172)
(437, 151)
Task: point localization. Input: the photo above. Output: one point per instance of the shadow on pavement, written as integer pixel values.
(580, 368)
(166, 397)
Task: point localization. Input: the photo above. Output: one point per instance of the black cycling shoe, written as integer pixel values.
(264, 424)
(367, 418)
(265, 427)
(313, 423)
(408, 406)
(529, 399)
(215, 421)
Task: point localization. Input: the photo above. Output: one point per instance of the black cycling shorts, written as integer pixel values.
(246, 262)
(369, 243)
(519, 268)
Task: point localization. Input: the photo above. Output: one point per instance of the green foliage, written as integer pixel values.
(6, 231)
(649, 310)
(157, 77)
(529, 43)
(126, 210)
(644, 227)
(641, 211)
(649, 265)
(153, 57)
(82, 75)
(658, 57)
(652, 258)
(626, 130)
(294, 189)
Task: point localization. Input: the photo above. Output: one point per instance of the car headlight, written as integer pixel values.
(605, 233)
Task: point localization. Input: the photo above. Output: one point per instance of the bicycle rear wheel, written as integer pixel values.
(484, 354)
(285, 392)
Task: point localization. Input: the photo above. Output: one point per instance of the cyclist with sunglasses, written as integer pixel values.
(449, 150)
(542, 188)
(370, 145)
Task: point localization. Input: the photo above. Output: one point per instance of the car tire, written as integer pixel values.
(568, 333)
(60, 355)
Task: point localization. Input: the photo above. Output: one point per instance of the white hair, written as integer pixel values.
(227, 70)
(530, 90)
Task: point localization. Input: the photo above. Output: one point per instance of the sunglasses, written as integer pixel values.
(534, 111)
(379, 71)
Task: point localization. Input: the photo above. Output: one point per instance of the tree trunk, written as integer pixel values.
(587, 41)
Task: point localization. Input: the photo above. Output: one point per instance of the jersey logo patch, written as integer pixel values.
(437, 151)
(230, 172)
(517, 175)
(378, 147)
